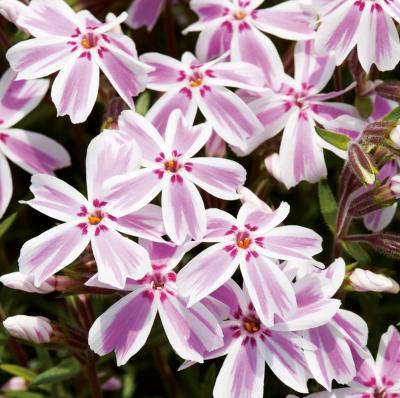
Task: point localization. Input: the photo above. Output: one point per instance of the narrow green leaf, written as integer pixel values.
(6, 224)
(327, 204)
(65, 370)
(338, 140)
(394, 115)
(356, 251)
(23, 394)
(129, 384)
(19, 371)
(143, 103)
(364, 106)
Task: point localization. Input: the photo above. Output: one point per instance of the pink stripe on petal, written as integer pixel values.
(6, 186)
(219, 226)
(144, 13)
(124, 327)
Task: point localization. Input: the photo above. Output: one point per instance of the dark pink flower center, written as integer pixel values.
(240, 14)
(196, 79)
(89, 40)
(251, 324)
(380, 392)
(172, 165)
(243, 240)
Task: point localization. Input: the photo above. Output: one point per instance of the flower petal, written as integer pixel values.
(18, 98)
(144, 13)
(242, 373)
(33, 152)
(118, 258)
(183, 210)
(124, 327)
(130, 192)
(51, 251)
(231, 295)
(270, 290)
(219, 225)
(219, 177)
(6, 185)
(380, 219)
(300, 156)
(75, 88)
(229, 115)
(191, 331)
(207, 272)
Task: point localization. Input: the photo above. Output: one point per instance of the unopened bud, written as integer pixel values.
(112, 384)
(247, 196)
(367, 281)
(388, 244)
(362, 165)
(35, 329)
(389, 90)
(12, 9)
(19, 281)
(395, 137)
(378, 132)
(215, 146)
(395, 186)
(15, 384)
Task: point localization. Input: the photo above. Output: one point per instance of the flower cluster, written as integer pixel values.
(154, 229)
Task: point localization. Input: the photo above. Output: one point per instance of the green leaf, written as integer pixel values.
(364, 106)
(338, 140)
(65, 370)
(19, 371)
(394, 115)
(356, 251)
(327, 204)
(6, 224)
(143, 103)
(23, 394)
(129, 384)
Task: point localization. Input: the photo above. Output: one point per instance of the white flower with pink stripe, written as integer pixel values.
(78, 45)
(89, 220)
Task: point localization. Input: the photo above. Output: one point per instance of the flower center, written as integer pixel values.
(89, 40)
(240, 15)
(172, 165)
(196, 79)
(251, 325)
(95, 218)
(243, 240)
(380, 392)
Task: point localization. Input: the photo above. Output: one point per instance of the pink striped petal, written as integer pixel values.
(51, 251)
(135, 126)
(270, 290)
(219, 177)
(215, 146)
(18, 98)
(300, 156)
(250, 45)
(127, 75)
(39, 57)
(168, 72)
(286, 359)
(229, 116)
(392, 8)
(380, 219)
(289, 20)
(75, 88)
(130, 192)
(388, 358)
(56, 198)
(219, 223)
(44, 19)
(175, 99)
(291, 242)
(144, 13)
(208, 10)
(124, 327)
(250, 214)
(231, 295)
(6, 186)
(379, 42)
(332, 359)
(207, 272)
(184, 138)
(33, 152)
(118, 258)
(191, 331)
(324, 112)
(107, 156)
(340, 30)
(183, 210)
(242, 373)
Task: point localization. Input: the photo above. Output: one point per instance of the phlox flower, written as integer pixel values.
(144, 13)
(249, 343)
(255, 242)
(365, 23)
(169, 167)
(364, 280)
(125, 326)
(78, 46)
(296, 108)
(89, 220)
(235, 25)
(190, 85)
(374, 379)
(33, 152)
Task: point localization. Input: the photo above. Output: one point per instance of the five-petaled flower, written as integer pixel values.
(125, 326)
(90, 221)
(78, 45)
(169, 166)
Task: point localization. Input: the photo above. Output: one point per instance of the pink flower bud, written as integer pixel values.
(248, 196)
(15, 384)
(395, 185)
(11, 10)
(35, 329)
(112, 384)
(395, 136)
(366, 281)
(215, 146)
(19, 281)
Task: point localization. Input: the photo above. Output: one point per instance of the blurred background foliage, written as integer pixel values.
(53, 372)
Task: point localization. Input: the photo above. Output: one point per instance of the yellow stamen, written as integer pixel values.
(171, 164)
(251, 326)
(239, 15)
(85, 43)
(94, 220)
(196, 83)
(244, 244)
